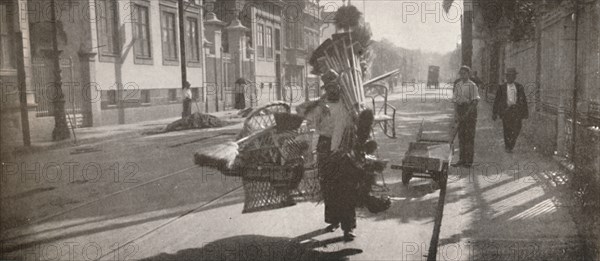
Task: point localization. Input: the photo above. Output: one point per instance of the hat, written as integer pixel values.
(465, 68)
(511, 70)
(329, 76)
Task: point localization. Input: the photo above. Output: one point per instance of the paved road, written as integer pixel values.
(151, 203)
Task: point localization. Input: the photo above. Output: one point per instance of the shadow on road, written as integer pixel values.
(257, 247)
(416, 201)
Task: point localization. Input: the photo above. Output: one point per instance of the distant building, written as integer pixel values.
(12, 25)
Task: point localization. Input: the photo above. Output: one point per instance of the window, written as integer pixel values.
(107, 23)
(145, 96)
(289, 34)
(260, 46)
(192, 42)
(169, 36)
(269, 41)
(111, 97)
(141, 28)
(298, 30)
(172, 94)
(249, 44)
(277, 39)
(307, 41)
(7, 52)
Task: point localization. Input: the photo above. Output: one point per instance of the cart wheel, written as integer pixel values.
(406, 176)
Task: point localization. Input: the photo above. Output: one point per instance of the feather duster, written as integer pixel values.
(347, 17)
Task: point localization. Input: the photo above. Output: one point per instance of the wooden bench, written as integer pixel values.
(385, 113)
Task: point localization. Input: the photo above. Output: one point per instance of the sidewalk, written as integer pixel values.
(94, 134)
(89, 135)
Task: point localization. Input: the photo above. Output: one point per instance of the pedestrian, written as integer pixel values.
(187, 100)
(511, 105)
(339, 188)
(466, 98)
(240, 93)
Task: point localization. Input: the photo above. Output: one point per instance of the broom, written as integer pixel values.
(222, 156)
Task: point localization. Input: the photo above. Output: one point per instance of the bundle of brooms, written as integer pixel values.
(340, 55)
(345, 53)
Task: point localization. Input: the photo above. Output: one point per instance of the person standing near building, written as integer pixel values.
(511, 105)
(466, 98)
(240, 93)
(187, 100)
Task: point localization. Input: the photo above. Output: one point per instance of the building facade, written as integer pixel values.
(120, 61)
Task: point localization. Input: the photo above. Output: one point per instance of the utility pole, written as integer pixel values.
(467, 33)
(22, 89)
(188, 110)
(61, 130)
(575, 87)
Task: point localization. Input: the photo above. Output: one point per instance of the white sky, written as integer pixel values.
(412, 24)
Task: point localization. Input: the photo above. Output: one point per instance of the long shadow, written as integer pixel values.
(46, 240)
(257, 247)
(517, 229)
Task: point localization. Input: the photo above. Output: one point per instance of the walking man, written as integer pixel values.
(511, 105)
(466, 98)
(338, 187)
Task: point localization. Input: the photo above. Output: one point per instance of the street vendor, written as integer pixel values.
(338, 188)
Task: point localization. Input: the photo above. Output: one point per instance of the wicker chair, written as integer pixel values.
(272, 161)
(385, 113)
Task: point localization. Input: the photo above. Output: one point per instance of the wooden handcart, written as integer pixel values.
(430, 158)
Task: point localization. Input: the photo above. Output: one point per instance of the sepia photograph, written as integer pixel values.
(272, 130)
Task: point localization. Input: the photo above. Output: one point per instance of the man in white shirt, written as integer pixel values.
(466, 97)
(511, 105)
(187, 100)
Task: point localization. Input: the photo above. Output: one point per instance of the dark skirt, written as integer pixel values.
(240, 101)
(339, 185)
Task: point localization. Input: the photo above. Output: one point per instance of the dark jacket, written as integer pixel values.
(500, 102)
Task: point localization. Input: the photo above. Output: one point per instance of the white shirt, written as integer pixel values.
(186, 93)
(465, 92)
(511, 94)
(331, 124)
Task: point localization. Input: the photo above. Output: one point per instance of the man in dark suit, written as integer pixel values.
(511, 105)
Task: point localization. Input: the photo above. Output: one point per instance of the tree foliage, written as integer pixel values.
(520, 14)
